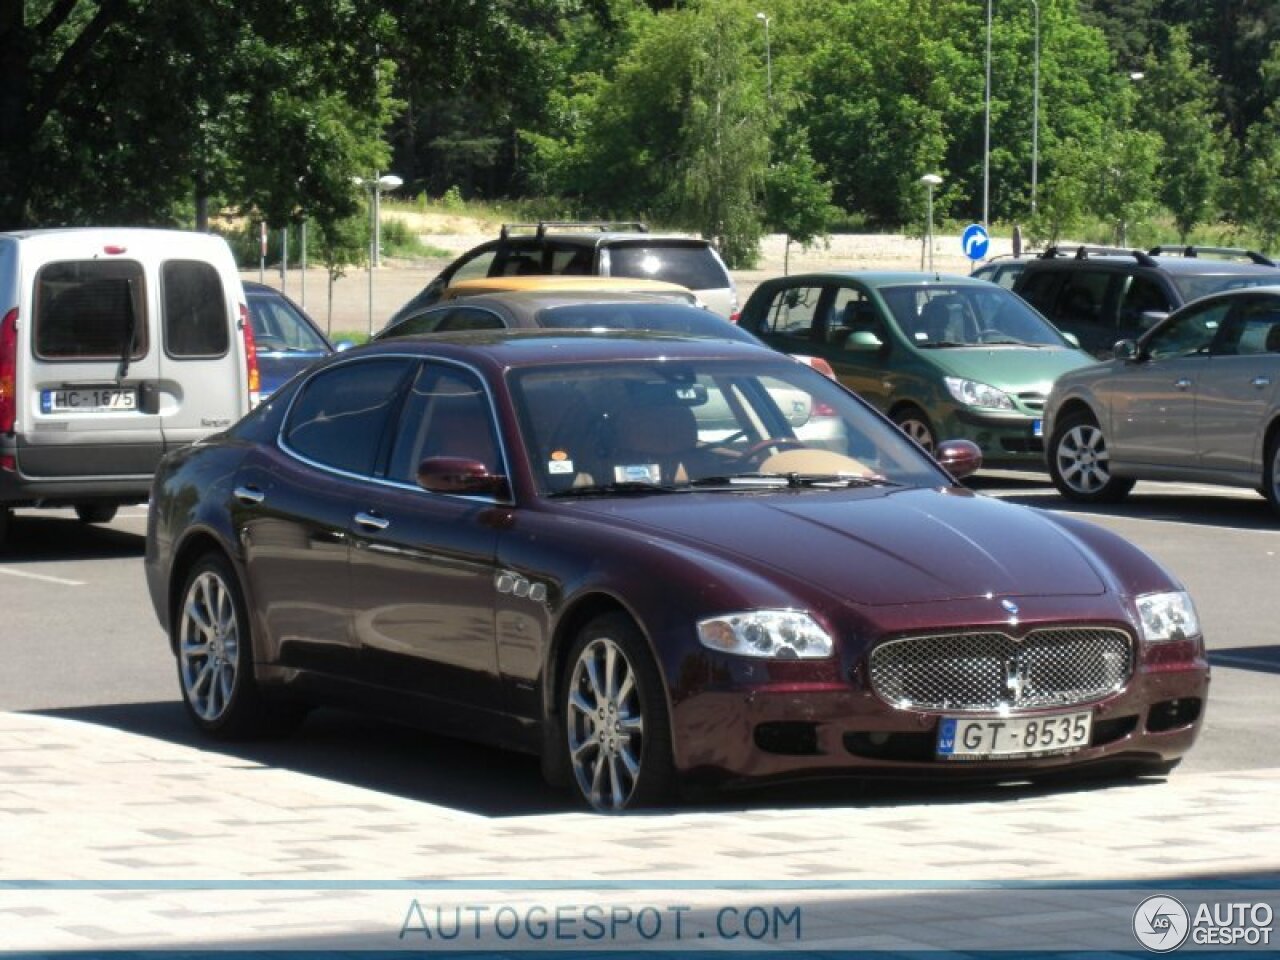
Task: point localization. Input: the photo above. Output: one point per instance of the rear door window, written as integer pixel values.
(90, 310)
(694, 266)
(196, 321)
(793, 313)
(340, 417)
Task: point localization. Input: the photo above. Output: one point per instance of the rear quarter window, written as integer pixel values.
(695, 267)
(196, 321)
(90, 310)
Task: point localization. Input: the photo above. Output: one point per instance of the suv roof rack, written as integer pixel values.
(604, 226)
(1192, 251)
(1084, 251)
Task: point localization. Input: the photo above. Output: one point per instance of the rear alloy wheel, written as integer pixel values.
(1080, 463)
(96, 512)
(915, 425)
(615, 718)
(215, 657)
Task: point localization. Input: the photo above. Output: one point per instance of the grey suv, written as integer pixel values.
(604, 249)
(1196, 399)
(1103, 295)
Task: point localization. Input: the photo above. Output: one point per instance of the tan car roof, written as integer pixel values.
(560, 283)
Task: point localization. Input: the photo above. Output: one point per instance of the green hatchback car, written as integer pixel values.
(945, 357)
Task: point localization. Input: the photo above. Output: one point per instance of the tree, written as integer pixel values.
(797, 199)
(1258, 202)
(1177, 102)
(134, 112)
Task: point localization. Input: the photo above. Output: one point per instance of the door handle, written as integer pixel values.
(371, 521)
(249, 494)
(1261, 382)
(1182, 384)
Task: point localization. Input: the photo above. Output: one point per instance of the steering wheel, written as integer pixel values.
(753, 452)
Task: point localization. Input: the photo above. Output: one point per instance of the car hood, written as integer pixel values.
(875, 547)
(1015, 369)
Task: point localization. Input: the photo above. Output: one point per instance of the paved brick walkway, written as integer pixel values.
(114, 840)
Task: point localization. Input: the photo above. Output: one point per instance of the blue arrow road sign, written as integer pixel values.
(975, 241)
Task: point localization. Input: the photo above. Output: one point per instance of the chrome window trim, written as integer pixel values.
(419, 358)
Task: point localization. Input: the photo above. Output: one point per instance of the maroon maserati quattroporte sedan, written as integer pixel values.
(657, 561)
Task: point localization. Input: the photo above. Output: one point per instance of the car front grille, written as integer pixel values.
(1058, 666)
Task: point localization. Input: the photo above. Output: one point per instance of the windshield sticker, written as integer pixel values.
(638, 473)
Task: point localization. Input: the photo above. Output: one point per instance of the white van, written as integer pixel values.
(116, 345)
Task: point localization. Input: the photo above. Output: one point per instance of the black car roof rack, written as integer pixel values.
(1084, 251)
(604, 226)
(1193, 251)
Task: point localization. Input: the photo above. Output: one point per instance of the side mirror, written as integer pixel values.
(1071, 338)
(1126, 350)
(959, 458)
(460, 475)
(343, 345)
(863, 341)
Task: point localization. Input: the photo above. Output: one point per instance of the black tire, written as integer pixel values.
(1079, 462)
(213, 642)
(96, 512)
(914, 422)
(6, 522)
(612, 724)
(1271, 472)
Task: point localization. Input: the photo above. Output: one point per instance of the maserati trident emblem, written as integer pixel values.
(1015, 678)
(1010, 607)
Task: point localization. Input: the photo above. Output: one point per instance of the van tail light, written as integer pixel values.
(250, 357)
(9, 371)
(735, 316)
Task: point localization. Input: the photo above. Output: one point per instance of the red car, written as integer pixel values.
(655, 560)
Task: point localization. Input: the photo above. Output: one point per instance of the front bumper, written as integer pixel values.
(840, 727)
(1002, 438)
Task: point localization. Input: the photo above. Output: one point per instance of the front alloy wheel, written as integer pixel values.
(1080, 463)
(916, 425)
(618, 740)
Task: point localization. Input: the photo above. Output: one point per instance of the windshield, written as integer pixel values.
(278, 328)
(1193, 287)
(727, 424)
(666, 317)
(941, 315)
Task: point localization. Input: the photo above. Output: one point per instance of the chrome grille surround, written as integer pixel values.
(992, 670)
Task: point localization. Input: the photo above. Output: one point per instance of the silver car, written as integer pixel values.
(1195, 399)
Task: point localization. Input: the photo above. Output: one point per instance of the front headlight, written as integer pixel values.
(974, 394)
(1168, 616)
(781, 634)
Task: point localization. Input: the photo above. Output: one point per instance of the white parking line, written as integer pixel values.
(41, 576)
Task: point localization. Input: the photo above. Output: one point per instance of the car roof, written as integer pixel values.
(1174, 265)
(881, 278)
(559, 282)
(500, 349)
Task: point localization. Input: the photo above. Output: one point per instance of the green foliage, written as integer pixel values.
(1177, 100)
(1258, 200)
(797, 199)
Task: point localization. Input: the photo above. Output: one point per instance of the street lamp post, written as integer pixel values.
(768, 55)
(986, 133)
(1035, 110)
(930, 180)
(388, 181)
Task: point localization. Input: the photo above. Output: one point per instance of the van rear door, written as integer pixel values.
(87, 364)
(203, 372)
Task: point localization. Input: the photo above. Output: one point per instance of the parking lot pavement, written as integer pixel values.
(114, 840)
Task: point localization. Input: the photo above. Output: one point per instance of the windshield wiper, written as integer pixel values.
(776, 481)
(130, 329)
(939, 344)
(620, 488)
